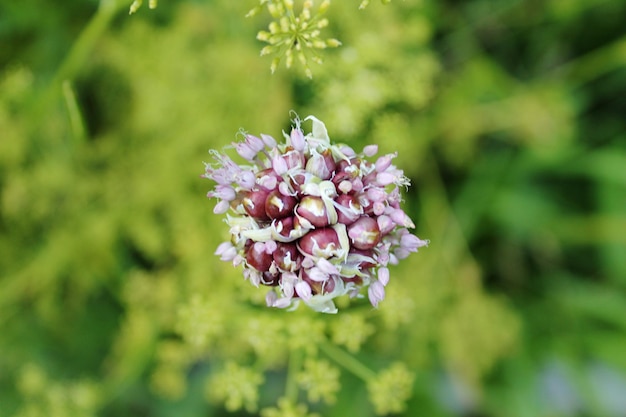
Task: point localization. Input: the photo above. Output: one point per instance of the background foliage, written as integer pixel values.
(508, 117)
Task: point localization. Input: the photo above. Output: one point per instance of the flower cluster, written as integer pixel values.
(313, 220)
(366, 3)
(137, 4)
(292, 34)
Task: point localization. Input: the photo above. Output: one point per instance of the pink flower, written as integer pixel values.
(310, 219)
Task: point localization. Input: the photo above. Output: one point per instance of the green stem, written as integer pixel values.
(80, 50)
(291, 385)
(73, 109)
(349, 362)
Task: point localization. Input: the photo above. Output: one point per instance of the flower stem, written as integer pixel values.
(349, 362)
(294, 366)
(79, 52)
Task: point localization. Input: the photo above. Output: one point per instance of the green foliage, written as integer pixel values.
(507, 116)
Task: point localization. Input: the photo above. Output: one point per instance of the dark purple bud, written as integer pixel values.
(270, 279)
(254, 203)
(320, 242)
(351, 211)
(364, 233)
(258, 258)
(287, 257)
(313, 209)
(285, 226)
(278, 206)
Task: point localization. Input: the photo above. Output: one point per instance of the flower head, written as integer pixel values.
(297, 37)
(310, 219)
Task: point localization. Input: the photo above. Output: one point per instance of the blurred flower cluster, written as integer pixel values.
(313, 220)
(294, 35)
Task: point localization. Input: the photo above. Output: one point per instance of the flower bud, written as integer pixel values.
(384, 162)
(348, 209)
(278, 206)
(258, 258)
(303, 289)
(376, 293)
(294, 159)
(297, 139)
(370, 150)
(364, 233)
(254, 203)
(255, 143)
(314, 210)
(244, 150)
(322, 243)
(321, 165)
(287, 257)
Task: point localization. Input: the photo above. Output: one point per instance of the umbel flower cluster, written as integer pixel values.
(310, 219)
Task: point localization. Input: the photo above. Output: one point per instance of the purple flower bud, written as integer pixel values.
(257, 258)
(223, 192)
(278, 206)
(270, 278)
(347, 151)
(327, 267)
(411, 242)
(279, 164)
(297, 139)
(294, 159)
(221, 207)
(384, 162)
(313, 209)
(370, 150)
(376, 194)
(321, 165)
(400, 218)
(246, 179)
(364, 233)
(255, 143)
(254, 203)
(385, 224)
(345, 186)
(287, 257)
(269, 182)
(383, 276)
(269, 141)
(322, 243)
(317, 275)
(270, 298)
(376, 293)
(401, 253)
(226, 251)
(303, 290)
(287, 284)
(244, 150)
(385, 178)
(378, 208)
(348, 209)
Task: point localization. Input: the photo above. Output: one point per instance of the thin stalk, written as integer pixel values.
(79, 52)
(294, 366)
(349, 362)
(73, 109)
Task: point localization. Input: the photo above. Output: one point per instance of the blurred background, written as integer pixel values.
(508, 117)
